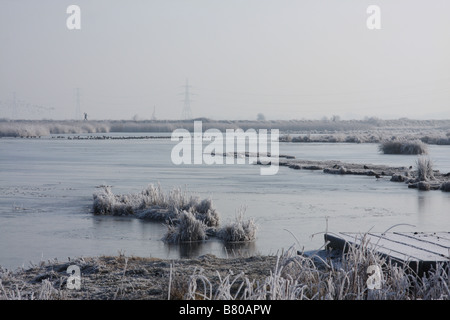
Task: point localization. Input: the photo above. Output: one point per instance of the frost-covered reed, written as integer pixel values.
(28, 128)
(370, 130)
(154, 204)
(187, 229)
(424, 169)
(299, 277)
(45, 292)
(239, 230)
(187, 217)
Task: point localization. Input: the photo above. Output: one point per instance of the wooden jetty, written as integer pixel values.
(420, 250)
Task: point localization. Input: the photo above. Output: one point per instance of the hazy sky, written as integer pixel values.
(288, 59)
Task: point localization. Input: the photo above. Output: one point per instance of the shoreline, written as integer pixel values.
(314, 275)
(125, 278)
(372, 130)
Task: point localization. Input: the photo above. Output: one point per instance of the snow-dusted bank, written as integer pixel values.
(291, 275)
(187, 217)
(370, 130)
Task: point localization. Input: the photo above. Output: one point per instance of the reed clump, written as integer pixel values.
(239, 230)
(400, 146)
(186, 217)
(154, 204)
(188, 229)
(424, 167)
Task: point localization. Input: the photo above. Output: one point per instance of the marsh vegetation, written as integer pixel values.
(186, 217)
(370, 130)
(289, 275)
(403, 147)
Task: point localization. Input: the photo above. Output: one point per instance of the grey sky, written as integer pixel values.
(289, 59)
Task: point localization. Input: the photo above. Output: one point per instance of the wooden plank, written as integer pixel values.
(401, 251)
(438, 238)
(444, 235)
(419, 253)
(381, 244)
(416, 244)
(341, 240)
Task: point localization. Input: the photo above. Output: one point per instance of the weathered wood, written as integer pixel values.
(418, 243)
(439, 238)
(420, 251)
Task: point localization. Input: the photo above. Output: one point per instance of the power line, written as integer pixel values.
(19, 107)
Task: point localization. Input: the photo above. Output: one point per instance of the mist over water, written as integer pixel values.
(46, 188)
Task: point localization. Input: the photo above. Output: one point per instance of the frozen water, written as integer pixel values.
(47, 187)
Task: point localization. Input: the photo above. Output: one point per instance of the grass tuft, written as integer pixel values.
(154, 204)
(424, 169)
(403, 147)
(187, 229)
(239, 231)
